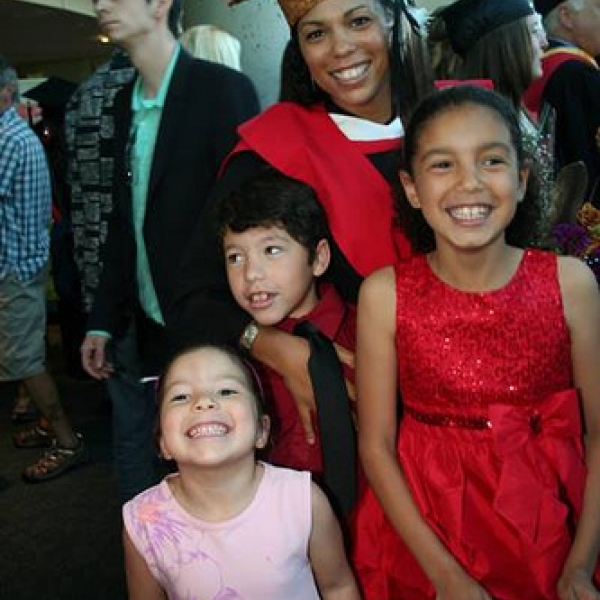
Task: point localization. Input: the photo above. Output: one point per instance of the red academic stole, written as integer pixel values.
(551, 60)
(305, 144)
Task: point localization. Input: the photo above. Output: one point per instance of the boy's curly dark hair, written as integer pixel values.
(273, 199)
(524, 229)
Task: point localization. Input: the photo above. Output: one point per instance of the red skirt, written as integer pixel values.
(502, 493)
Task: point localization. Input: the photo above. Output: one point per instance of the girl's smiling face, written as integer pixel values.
(465, 177)
(345, 45)
(209, 414)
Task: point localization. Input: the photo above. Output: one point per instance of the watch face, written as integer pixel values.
(249, 336)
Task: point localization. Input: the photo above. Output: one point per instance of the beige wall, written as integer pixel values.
(249, 22)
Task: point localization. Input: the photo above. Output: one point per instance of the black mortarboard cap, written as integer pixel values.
(546, 6)
(467, 21)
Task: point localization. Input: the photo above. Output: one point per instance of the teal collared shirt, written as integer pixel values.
(147, 113)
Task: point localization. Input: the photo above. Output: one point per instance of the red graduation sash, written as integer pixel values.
(305, 144)
(551, 60)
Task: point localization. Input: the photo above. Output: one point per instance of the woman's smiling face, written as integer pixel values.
(345, 45)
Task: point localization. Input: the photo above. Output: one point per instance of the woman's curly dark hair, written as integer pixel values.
(524, 229)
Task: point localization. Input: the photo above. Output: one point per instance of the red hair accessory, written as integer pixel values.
(442, 84)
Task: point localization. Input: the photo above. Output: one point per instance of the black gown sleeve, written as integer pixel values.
(574, 91)
(203, 309)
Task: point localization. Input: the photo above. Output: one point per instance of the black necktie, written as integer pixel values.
(338, 439)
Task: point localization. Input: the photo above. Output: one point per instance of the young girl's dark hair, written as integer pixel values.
(522, 230)
(411, 73)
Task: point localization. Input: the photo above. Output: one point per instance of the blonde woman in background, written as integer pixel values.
(213, 43)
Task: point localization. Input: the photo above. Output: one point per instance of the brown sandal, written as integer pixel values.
(57, 461)
(34, 436)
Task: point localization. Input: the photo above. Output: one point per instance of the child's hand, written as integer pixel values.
(288, 355)
(297, 380)
(346, 356)
(577, 585)
(459, 586)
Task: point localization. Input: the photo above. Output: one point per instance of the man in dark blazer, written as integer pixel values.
(174, 125)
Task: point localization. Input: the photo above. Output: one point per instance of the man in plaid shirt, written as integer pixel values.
(25, 205)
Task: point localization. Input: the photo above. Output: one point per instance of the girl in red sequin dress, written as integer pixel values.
(482, 492)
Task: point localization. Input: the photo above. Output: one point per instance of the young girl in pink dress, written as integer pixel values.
(226, 527)
(482, 491)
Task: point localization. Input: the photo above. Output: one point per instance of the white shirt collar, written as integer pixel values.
(362, 130)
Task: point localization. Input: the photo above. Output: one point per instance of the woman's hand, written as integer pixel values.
(577, 584)
(288, 355)
(297, 380)
(346, 357)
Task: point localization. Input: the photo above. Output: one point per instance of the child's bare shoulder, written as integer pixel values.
(379, 281)
(579, 290)
(575, 276)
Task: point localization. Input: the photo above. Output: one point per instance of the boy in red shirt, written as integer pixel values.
(275, 241)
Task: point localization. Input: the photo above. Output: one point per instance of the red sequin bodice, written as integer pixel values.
(460, 352)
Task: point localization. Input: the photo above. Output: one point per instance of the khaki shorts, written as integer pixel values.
(23, 326)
